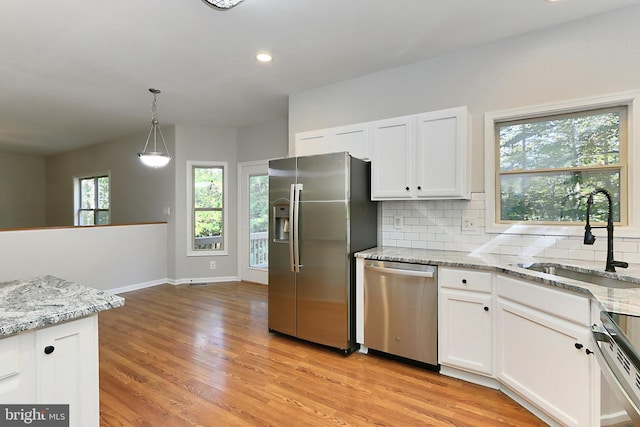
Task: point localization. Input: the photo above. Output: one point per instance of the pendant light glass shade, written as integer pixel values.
(154, 158)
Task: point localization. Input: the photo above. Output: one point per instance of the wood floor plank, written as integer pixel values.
(202, 356)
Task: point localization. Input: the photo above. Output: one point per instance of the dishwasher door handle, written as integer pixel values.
(403, 272)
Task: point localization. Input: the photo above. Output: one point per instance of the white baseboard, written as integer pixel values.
(137, 286)
(196, 280)
(202, 280)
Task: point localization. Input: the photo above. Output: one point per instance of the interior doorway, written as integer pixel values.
(253, 258)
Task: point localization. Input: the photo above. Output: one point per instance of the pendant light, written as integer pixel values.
(222, 4)
(155, 158)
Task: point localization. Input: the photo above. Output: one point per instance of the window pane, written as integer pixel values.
(208, 230)
(86, 218)
(87, 194)
(258, 220)
(103, 193)
(557, 196)
(575, 141)
(103, 217)
(207, 187)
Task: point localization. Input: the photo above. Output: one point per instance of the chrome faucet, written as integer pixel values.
(589, 238)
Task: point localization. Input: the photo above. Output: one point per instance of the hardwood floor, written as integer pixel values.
(202, 356)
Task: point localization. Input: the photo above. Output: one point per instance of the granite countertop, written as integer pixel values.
(47, 300)
(620, 300)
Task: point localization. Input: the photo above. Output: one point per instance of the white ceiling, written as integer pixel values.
(77, 72)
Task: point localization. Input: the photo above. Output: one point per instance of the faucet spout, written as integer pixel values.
(589, 238)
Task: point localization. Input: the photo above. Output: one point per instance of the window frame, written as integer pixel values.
(630, 100)
(77, 189)
(191, 164)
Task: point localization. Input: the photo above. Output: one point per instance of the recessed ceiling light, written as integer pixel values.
(264, 57)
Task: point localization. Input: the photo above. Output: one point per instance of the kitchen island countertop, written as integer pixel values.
(621, 300)
(47, 300)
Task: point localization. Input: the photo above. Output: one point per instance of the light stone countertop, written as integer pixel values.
(619, 300)
(44, 301)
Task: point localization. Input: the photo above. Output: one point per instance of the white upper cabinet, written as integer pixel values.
(420, 156)
(442, 146)
(426, 159)
(312, 142)
(356, 139)
(352, 138)
(391, 149)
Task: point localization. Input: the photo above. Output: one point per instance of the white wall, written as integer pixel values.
(107, 258)
(595, 56)
(22, 190)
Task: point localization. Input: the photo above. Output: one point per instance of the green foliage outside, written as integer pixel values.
(208, 197)
(540, 154)
(259, 203)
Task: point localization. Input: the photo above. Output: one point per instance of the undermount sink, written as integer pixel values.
(593, 277)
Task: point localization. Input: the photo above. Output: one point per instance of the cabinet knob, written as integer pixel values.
(588, 351)
(464, 281)
(578, 345)
(49, 349)
(406, 188)
(419, 187)
(486, 308)
(398, 339)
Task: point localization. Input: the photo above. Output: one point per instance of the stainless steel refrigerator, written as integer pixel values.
(320, 214)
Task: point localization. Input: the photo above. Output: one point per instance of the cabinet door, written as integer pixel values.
(312, 142)
(16, 369)
(543, 358)
(465, 331)
(391, 166)
(442, 169)
(67, 369)
(355, 139)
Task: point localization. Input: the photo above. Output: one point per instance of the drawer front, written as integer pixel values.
(456, 278)
(9, 356)
(553, 301)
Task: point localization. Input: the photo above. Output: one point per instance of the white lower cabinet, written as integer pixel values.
(465, 320)
(543, 357)
(54, 365)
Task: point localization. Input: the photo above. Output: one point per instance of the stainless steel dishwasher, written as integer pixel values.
(401, 309)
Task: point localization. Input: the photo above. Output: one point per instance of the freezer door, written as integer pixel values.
(282, 286)
(324, 177)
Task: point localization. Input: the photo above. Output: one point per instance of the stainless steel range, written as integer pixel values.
(618, 337)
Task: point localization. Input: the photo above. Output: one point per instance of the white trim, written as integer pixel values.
(629, 98)
(246, 273)
(202, 280)
(225, 208)
(138, 286)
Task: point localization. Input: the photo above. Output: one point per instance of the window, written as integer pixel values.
(543, 162)
(207, 182)
(93, 200)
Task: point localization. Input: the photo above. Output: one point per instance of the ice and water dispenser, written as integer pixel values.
(281, 226)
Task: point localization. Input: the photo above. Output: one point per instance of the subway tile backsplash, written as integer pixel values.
(437, 224)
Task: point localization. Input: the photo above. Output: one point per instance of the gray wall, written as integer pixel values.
(204, 144)
(22, 191)
(263, 142)
(138, 193)
(595, 56)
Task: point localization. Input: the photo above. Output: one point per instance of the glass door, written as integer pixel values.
(254, 222)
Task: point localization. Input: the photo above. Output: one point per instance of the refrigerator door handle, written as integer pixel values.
(296, 228)
(292, 231)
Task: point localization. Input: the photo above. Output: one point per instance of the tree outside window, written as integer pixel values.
(548, 165)
(94, 200)
(208, 207)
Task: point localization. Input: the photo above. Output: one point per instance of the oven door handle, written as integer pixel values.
(608, 373)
